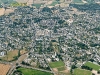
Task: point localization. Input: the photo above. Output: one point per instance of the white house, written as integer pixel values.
(2, 53)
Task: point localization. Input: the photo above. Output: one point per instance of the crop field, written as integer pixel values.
(15, 4)
(92, 65)
(26, 71)
(4, 69)
(82, 72)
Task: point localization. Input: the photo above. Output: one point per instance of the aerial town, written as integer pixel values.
(50, 37)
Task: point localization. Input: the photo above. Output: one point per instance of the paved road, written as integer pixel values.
(49, 65)
(20, 59)
(13, 64)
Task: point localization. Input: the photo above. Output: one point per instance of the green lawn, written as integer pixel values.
(26, 71)
(82, 72)
(92, 65)
(56, 64)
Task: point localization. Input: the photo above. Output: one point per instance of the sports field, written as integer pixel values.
(81, 72)
(92, 65)
(56, 64)
(26, 71)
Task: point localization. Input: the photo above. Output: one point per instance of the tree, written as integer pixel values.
(46, 9)
(98, 72)
(72, 67)
(93, 74)
(18, 53)
(92, 60)
(71, 71)
(86, 67)
(61, 21)
(55, 29)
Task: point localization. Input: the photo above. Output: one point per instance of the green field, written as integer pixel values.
(37, 5)
(54, 3)
(16, 4)
(77, 1)
(81, 72)
(80, 1)
(56, 64)
(90, 1)
(26, 71)
(8, 1)
(92, 65)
